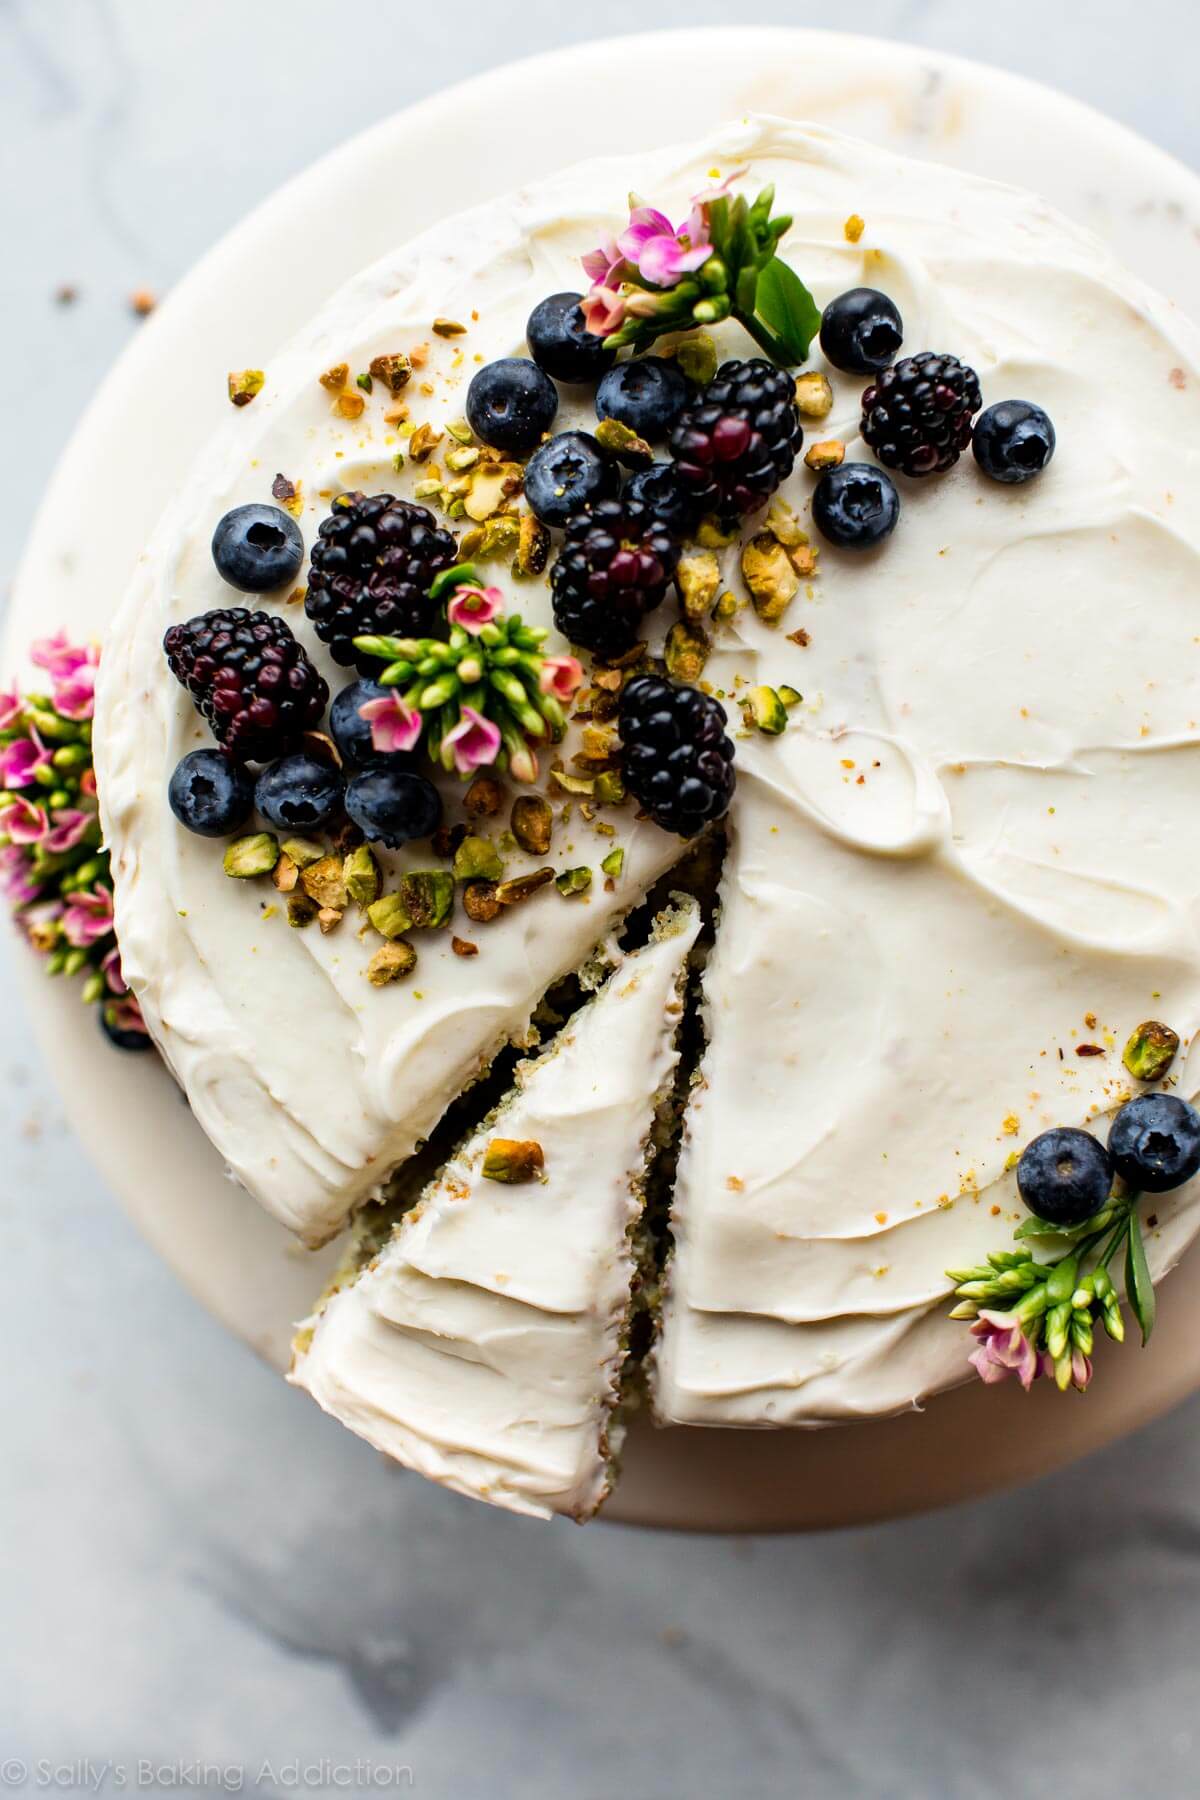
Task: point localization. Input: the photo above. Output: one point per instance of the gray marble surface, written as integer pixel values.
(202, 1583)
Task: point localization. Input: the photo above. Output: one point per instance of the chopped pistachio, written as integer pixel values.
(462, 458)
(479, 901)
(425, 490)
(763, 707)
(460, 431)
(804, 560)
(428, 895)
(613, 863)
(244, 384)
(623, 443)
(814, 396)
(1150, 1051)
(697, 357)
(394, 370)
(349, 406)
(828, 453)
(391, 962)
(573, 881)
(323, 882)
(463, 947)
(728, 607)
(302, 851)
(389, 916)
(487, 493)
(285, 874)
(511, 893)
(448, 328)
(770, 576)
(783, 523)
(532, 821)
(484, 798)
(790, 696)
(300, 911)
(365, 382)
(598, 743)
(699, 580)
(533, 547)
(446, 840)
(498, 536)
(583, 785)
(477, 859)
(327, 918)
(686, 651)
(361, 874)
(335, 378)
(610, 789)
(250, 856)
(711, 535)
(423, 440)
(854, 227)
(513, 1160)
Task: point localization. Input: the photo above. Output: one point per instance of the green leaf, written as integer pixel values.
(1034, 1227)
(1138, 1285)
(788, 308)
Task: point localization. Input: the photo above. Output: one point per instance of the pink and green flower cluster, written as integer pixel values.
(720, 262)
(53, 867)
(482, 697)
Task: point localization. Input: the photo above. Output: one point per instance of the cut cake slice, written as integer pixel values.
(482, 1344)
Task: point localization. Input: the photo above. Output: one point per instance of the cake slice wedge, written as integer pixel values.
(482, 1344)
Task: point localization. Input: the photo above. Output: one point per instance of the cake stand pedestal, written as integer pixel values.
(166, 396)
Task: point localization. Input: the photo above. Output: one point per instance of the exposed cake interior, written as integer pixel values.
(478, 1333)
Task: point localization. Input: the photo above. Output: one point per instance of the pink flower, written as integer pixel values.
(1004, 1350)
(41, 925)
(126, 1015)
(68, 829)
(87, 783)
(75, 696)
(11, 708)
(604, 311)
(24, 823)
(89, 917)
(113, 974)
(474, 607)
(661, 252)
(20, 760)
(560, 676)
(474, 741)
(61, 657)
(605, 265)
(15, 878)
(394, 726)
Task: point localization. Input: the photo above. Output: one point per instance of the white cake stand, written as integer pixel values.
(165, 397)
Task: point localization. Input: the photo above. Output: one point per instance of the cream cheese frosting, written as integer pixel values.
(969, 856)
(483, 1345)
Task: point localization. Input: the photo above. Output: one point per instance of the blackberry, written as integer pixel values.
(917, 415)
(250, 680)
(613, 569)
(737, 442)
(677, 759)
(370, 571)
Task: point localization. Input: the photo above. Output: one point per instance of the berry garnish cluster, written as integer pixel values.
(53, 866)
(1038, 1317)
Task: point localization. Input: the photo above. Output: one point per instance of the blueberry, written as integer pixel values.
(352, 734)
(1155, 1142)
(209, 794)
(121, 1037)
(257, 547)
(393, 806)
(664, 496)
(567, 474)
(298, 793)
(861, 331)
(647, 394)
(561, 344)
(1064, 1176)
(511, 403)
(1014, 440)
(855, 506)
